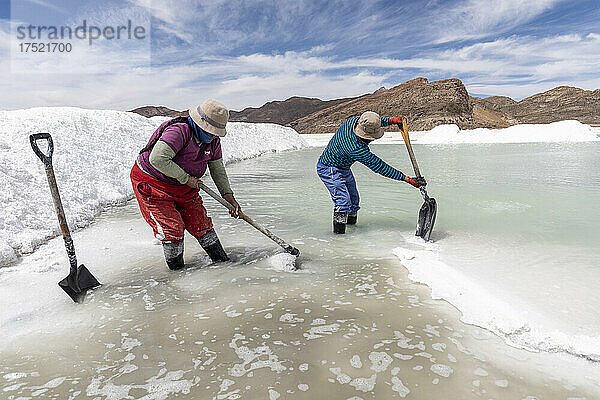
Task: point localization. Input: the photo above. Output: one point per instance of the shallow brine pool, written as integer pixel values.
(514, 250)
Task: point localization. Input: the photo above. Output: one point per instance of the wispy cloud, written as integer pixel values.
(285, 85)
(475, 19)
(48, 5)
(502, 66)
(171, 17)
(248, 52)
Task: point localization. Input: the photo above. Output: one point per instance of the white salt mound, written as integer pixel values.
(93, 153)
(283, 262)
(562, 131)
(555, 132)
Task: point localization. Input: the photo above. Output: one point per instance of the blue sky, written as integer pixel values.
(245, 53)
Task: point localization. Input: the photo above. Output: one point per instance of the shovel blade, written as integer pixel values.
(427, 215)
(77, 283)
(292, 250)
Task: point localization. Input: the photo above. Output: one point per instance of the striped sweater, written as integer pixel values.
(345, 148)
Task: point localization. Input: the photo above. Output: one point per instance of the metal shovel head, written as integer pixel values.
(78, 282)
(292, 250)
(427, 215)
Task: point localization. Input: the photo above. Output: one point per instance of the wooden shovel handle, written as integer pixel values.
(413, 160)
(287, 247)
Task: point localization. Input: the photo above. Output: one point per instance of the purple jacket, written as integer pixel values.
(189, 155)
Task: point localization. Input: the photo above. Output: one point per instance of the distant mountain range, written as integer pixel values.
(160, 111)
(425, 104)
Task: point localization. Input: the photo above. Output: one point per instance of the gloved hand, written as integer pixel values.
(193, 182)
(397, 120)
(416, 182)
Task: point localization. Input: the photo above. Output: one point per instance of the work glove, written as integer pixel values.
(397, 120)
(416, 181)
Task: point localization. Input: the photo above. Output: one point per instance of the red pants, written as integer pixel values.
(169, 209)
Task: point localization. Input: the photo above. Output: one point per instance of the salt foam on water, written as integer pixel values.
(283, 262)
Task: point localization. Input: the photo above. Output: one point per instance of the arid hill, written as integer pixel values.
(495, 102)
(153, 111)
(560, 103)
(282, 112)
(425, 104)
(428, 104)
(277, 112)
(488, 112)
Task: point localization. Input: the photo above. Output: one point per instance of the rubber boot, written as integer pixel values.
(339, 222)
(352, 217)
(174, 254)
(211, 244)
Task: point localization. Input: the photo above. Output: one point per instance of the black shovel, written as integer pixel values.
(80, 279)
(428, 210)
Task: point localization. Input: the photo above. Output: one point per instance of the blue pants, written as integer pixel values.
(342, 187)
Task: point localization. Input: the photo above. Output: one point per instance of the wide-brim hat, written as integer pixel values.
(211, 116)
(369, 126)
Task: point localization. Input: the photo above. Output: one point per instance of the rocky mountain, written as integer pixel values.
(428, 104)
(494, 102)
(488, 112)
(153, 111)
(283, 112)
(425, 104)
(560, 103)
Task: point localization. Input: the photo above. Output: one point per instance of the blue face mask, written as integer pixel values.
(200, 133)
(204, 136)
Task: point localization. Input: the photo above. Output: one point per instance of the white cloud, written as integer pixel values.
(172, 17)
(4, 33)
(256, 90)
(473, 19)
(179, 87)
(516, 66)
(48, 5)
(519, 91)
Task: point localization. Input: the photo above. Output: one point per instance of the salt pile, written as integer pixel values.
(94, 151)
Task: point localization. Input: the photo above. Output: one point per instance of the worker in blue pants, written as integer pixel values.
(350, 144)
(342, 187)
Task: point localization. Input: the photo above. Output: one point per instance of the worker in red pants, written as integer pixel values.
(166, 176)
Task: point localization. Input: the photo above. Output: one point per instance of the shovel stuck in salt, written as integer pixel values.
(80, 279)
